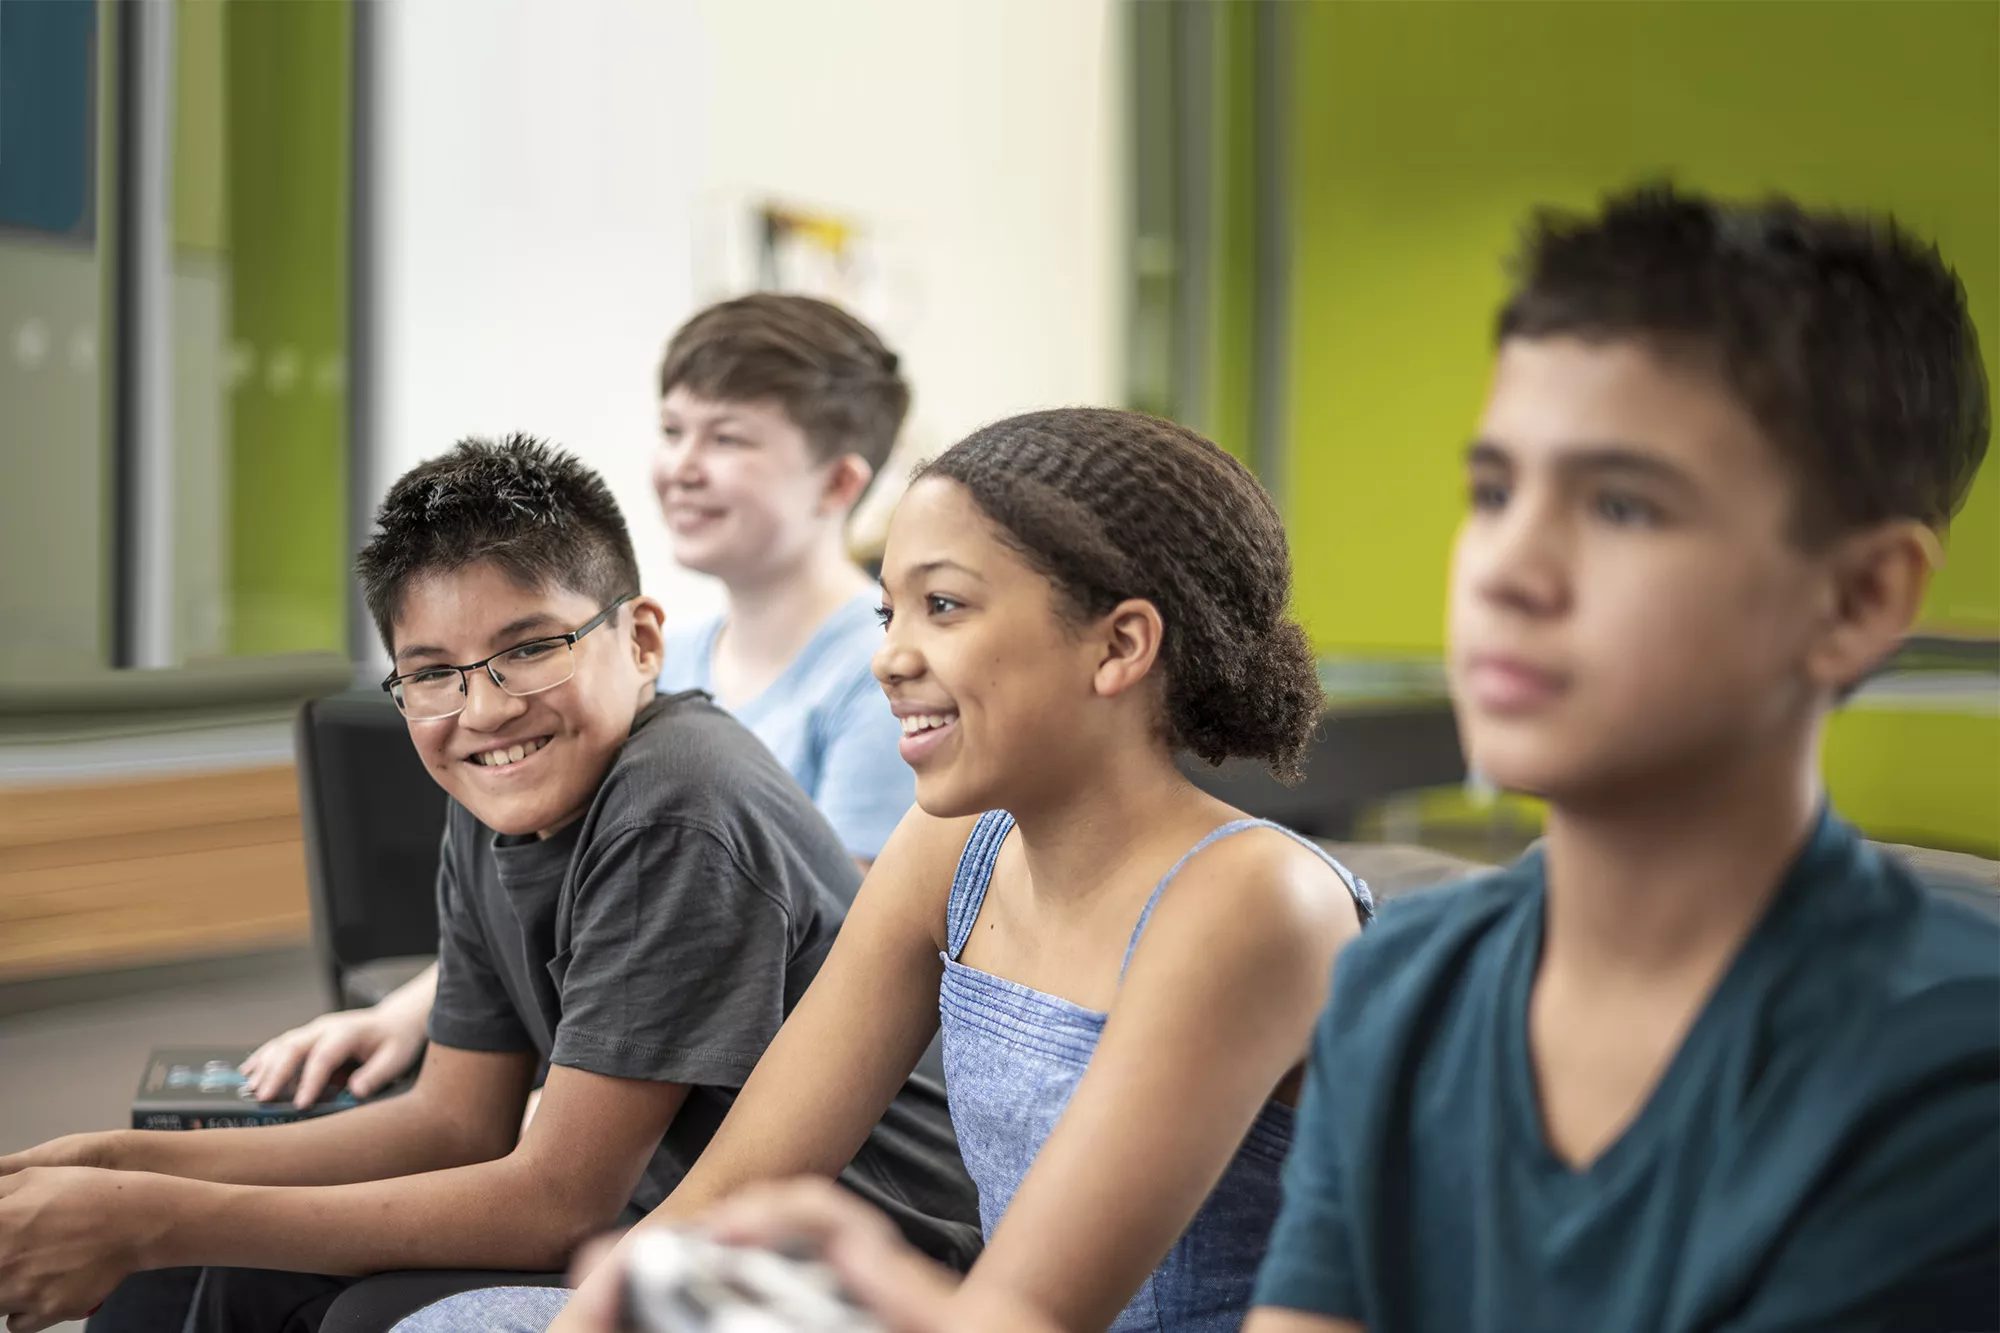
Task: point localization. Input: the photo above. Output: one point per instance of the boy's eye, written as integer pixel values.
(731, 441)
(426, 679)
(1626, 511)
(532, 652)
(938, 604)
(1488, 494)
(885, 615)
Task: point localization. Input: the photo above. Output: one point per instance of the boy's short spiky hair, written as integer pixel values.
(829, 371)
(534, 511)
(1847, 338)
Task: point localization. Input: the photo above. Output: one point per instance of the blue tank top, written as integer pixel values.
(1012, 1058)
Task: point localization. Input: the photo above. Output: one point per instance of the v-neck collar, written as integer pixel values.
(1825, 847)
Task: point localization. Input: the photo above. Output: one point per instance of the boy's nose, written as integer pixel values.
(486, 704)
(1523, 564)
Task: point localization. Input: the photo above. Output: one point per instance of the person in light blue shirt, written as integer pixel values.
(776, 412)
(824, 717)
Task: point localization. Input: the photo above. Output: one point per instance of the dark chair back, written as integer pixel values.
(373, 821)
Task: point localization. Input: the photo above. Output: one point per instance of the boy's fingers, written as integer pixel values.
(277, 1061)
(389, 1060)
(326, 1057)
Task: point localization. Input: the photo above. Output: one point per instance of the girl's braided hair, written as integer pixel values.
(1113, 505)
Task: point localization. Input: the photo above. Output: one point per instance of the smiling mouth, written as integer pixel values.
(918, 724)
(690, 515)
(504, 755)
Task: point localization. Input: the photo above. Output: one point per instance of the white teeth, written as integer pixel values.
(923, 722)
(513, 754)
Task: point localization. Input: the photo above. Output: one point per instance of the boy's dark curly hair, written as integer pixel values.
(1115, 505)
(542, 517)
(1848, 339)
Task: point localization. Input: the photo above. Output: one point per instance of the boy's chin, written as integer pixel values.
(526, 814)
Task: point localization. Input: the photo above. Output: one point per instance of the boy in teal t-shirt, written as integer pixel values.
(1705, 1060)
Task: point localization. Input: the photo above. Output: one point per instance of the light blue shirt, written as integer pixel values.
(825, 718)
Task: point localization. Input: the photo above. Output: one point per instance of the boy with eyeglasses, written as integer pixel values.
(631, 888)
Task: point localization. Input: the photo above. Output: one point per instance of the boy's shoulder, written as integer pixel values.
(1954, 930)
(689, 761)
(689, 766)
(1931, 977)
(1426, 936)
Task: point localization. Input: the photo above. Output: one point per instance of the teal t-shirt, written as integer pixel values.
(1823, 1153)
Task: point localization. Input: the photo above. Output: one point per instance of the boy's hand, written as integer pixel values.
(97, 1150)
(68, 1235)
(384, 1040)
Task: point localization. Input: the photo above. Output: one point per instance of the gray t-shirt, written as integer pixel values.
(665, 936)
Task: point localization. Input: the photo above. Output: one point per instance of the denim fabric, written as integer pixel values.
(494, 1310)
(1013, 1057)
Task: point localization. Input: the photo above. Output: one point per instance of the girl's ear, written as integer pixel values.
(1129, 638)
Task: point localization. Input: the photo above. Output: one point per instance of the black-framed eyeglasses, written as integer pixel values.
(434, 693)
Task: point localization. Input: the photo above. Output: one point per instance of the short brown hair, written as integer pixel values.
(1848, 338)
(830, 372)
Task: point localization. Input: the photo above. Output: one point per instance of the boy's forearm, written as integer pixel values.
(491, 1215)
(397, 1137)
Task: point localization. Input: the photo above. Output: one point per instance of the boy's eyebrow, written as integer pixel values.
(521, 625)
(509, 631)
(1588, 459)
(1622, 458)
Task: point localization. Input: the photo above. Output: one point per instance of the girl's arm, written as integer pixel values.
(1217, 1007)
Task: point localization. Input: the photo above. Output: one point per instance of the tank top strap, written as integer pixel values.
(1357, 888)
(975, 874)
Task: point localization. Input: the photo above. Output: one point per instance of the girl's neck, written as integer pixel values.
(1085, 829)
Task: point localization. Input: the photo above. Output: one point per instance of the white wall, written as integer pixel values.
(546, 164)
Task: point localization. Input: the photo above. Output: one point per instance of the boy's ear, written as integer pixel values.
(1128, 642)
(647, 643)
(1879, 577)
(845, 480)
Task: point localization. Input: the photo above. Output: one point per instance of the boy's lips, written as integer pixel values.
(487, 758)
(1499, 683)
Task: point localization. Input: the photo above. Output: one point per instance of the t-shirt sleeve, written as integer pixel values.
(865, 788)
(676, 964)
(1903, 1229)
(472, 1010)
(1310, 1265)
